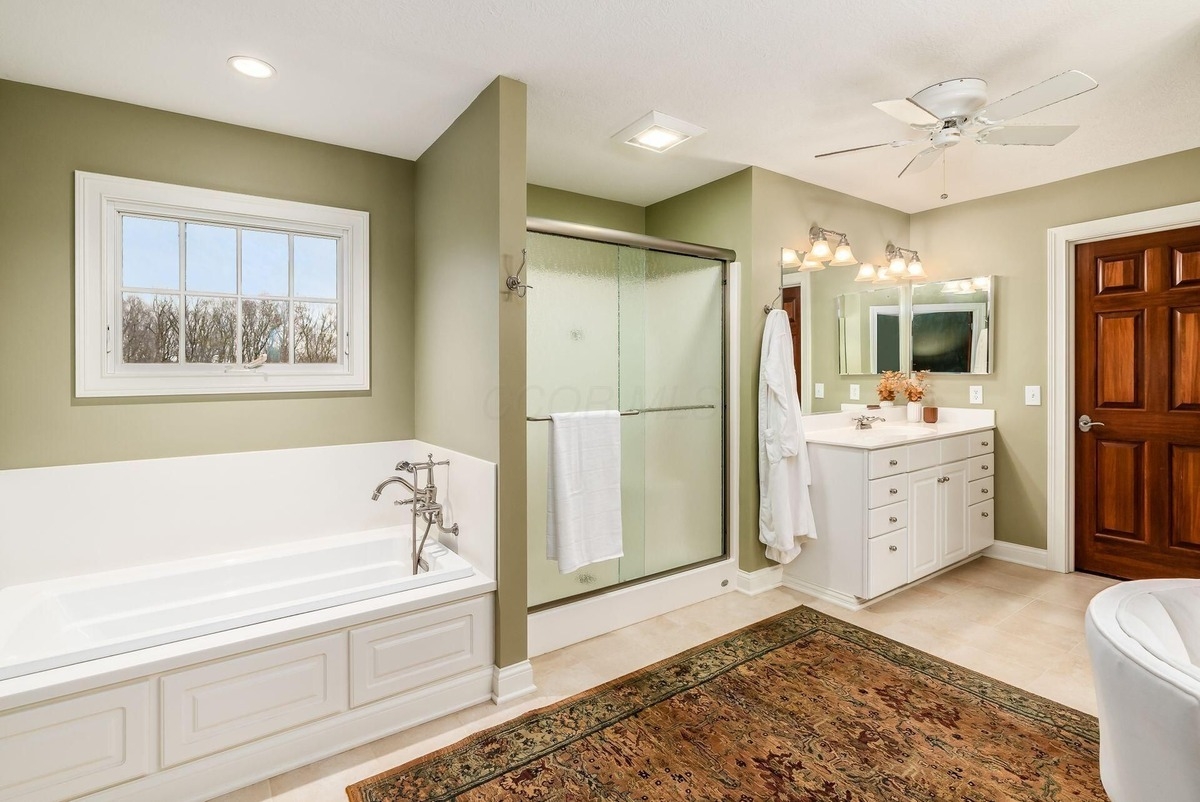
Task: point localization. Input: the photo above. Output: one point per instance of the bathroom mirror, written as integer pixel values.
(869, 331)
(951, 325)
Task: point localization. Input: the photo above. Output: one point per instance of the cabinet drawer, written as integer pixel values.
(231, 702)
(887, 563)
(886, 519)
(980, 490)
(887, 462)
(954, 449)
(888, 490)
(981, 467)
(983, 442)
(62, 750)
(981, 525)
(404, 653)
(923, 455)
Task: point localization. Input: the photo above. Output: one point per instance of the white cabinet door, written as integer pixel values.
(982, 525)
(953, 507)
(923, 551)
(887, 563)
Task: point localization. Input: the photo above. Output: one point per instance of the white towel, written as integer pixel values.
(583, 506)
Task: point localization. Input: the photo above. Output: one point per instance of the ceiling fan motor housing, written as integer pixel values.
(946, 137)
(960, 97)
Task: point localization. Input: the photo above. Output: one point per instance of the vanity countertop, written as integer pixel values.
(837, 428)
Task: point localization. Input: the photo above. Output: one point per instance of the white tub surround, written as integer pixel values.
(287, 623)
(896, 503)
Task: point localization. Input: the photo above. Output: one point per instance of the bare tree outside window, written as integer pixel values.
(265, 330)
(211, 326)
(150, 328)
(316, 332)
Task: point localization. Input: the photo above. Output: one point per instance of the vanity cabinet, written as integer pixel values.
(890, 516)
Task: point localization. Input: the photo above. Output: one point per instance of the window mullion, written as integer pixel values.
(238, 357)
(182, 297)
(291, 299)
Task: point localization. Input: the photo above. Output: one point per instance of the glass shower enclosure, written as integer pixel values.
(617, 327)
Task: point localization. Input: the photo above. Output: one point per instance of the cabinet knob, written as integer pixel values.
(893, 463)
(891, 548)
(984, 514)
(894, 491)
(893, 519)
(945, 478)
(987, 467)
(984, 443)
(984, 490)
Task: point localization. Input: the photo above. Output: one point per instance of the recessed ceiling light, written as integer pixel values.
(253, 67)
(657, 132)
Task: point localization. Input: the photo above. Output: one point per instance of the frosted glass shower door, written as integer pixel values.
(622, 328)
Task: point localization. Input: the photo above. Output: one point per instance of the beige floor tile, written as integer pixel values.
(325, 779)
(259, 792)
(1046, 620)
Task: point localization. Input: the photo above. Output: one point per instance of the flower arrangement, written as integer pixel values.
(915, 387)
(890, 384)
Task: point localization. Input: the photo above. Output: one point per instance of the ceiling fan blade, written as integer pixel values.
(896, 143)
(906, 112)
(1053, 90)
(1026, 134)
(922, 161)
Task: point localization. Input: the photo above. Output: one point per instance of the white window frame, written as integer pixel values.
(100, 202)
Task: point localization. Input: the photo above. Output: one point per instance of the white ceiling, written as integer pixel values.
(773, 81)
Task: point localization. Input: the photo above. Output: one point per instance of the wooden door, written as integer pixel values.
(791, 305)
(1137, 335)
(952, 508)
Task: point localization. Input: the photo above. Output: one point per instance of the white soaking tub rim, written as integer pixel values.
(19, 602)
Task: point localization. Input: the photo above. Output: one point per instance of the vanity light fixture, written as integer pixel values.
(251, 66)
(843, 256)
(904, 263)
(796, 259)
(821, 251)
(657, 132)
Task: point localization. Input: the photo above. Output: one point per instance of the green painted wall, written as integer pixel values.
(470, 332)
(558, 204)
(1005, 235)
(45, 135)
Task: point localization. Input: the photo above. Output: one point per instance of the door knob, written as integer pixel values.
(1086, 423)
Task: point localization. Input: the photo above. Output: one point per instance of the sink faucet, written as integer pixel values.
(865, 421)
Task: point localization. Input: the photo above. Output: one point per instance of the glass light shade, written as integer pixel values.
(810, 263)
(897, 265)
(789, 257)
(884, 277)
(843, 256)
(916, 269)
(820, 250)
(866, 272)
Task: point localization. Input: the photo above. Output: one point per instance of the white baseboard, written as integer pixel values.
(824, 594)
(245, 765)
(512, 682)
(1015, 553)
(753, 583)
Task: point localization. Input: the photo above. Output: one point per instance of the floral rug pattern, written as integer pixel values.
(801, 707)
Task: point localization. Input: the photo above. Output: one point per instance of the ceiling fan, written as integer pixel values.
(954, 110)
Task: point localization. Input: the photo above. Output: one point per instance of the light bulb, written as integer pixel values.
(843, 256)
(866, 272)
(252, 67)
(820, 250)
(897, 265)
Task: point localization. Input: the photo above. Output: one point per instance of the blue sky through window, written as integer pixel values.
(264, 263)
(315, 267)
(211, 258)
(150, 253)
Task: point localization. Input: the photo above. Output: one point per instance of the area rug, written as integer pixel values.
(799, 707)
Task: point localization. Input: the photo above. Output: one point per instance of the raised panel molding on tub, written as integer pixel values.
(65, 749)
(404, 653)
(231, 702)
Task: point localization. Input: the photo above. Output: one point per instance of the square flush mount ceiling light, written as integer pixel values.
(658, 132)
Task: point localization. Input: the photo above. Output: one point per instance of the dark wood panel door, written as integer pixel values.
(791, 305)
(1137, 376)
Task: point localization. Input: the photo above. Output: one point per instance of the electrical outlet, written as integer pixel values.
(819, 390)
(1033, 395)
(854, 396)
(976, 393)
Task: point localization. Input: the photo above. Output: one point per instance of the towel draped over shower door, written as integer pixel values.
(785, 516)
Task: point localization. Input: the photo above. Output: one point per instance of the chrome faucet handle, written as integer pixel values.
(406, 466)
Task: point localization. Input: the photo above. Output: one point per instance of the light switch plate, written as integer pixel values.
(819, 390)
(976, 393)
(1033, 395)
(854, 395)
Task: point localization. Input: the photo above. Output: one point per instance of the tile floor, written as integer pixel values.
(1020, 625)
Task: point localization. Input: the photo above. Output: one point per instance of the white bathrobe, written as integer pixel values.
(785, 515)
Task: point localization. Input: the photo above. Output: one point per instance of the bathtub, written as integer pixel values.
(61, 622)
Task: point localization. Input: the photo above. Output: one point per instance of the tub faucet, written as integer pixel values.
(424, 503)
(393, 480)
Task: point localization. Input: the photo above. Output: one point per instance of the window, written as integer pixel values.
(182, 290)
